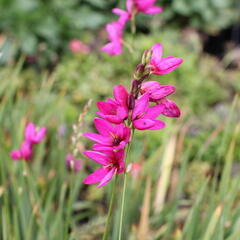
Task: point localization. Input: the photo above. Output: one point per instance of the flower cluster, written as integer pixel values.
(115, 29)
(127, 111)
(32, 136)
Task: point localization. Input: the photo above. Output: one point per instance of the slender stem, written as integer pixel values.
(124, 190)
(122, 206)
(113, 193)
(69, 204)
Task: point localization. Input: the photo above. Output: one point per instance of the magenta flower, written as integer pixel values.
(73, 164)
(144, 6)
(159, 65)
(113, 163)
(110, 137)
(115, 32)
(144, 117)
(115, 110)
(33, 135)
(25, 152)
(123, 16)
(76, 46)
(158, 93)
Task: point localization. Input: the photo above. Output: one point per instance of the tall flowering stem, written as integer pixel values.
(121, 116)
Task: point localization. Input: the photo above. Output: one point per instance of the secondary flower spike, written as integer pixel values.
(33, 135)
(112, 163)
(159, 65)
(110, 137)
(25, 152)
(115, 32)
(73, 164)
(144, 6)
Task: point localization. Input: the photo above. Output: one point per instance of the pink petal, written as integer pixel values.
(168, 64)
(129, 4)
(30, 131)
(112, 48)
(171, 109)
(154, 112)
(120, 94)
(107, 107)
(141, 106)
(153, 10)
(100, 147)
(120, 157)
(98, 157)
(111, 118)
(16, 155)
(156, 53)
(103, 127)
(158, 125)
(98, 138)
(40, 135)
(26, 150)
(124, 16)
(143, 124)
(107, 178)
(162, 91)
(96, 176)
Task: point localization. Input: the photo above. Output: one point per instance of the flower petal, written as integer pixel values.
(143, 124)
(98, 138)
(107, 178)
(156, 53)
(141, 106)
(158, 125)
(152, 10)
(16, 155)
(171, 109)
(98, 157)
(168, 64)
(103, 127)
(120, 94)
(154, 112)
(96, 176)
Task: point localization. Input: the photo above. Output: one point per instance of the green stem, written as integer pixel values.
(113, 193)
(69, 204)
(124, 190)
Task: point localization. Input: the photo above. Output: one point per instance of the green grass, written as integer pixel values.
(189, 184)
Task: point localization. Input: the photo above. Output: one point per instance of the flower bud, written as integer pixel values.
(139, 72)
(131, 102)
(146, 57)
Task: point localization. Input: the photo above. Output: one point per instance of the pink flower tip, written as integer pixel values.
(76, 46)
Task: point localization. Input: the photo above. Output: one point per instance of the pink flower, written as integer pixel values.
(158, 93)
(135, 169)
(144, 6)
(115, 32)
(115, 110)
(123, 16)
(113, 163)
(144, 117)
(25, 152)
(33, 135)
(76, 45)
(159, 65)
(110, 137)
(73, 164)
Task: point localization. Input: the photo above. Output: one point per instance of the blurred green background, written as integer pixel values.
(188, 185)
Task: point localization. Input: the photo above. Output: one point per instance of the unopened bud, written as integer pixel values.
(139, 72)
(146, 57)
(131, 102)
